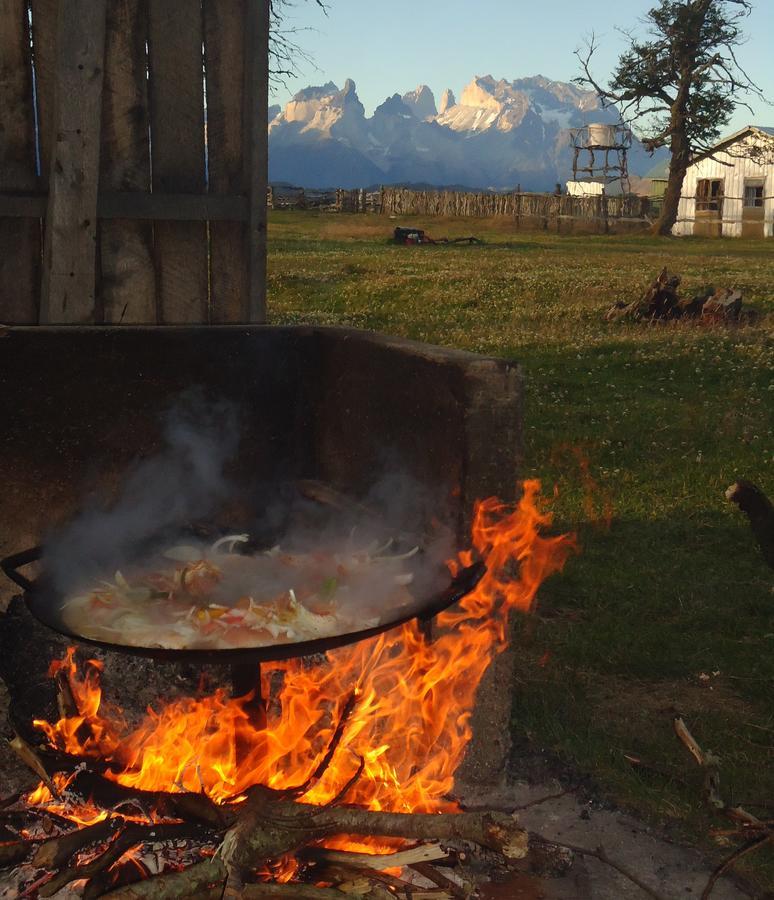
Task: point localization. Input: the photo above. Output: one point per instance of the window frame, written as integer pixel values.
(709, 195)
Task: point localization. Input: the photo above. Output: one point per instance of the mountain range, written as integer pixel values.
(498, 135)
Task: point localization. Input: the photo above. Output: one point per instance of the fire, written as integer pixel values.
(411, 719)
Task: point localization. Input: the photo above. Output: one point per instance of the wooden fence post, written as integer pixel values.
(127, 283)
(69, 272)
(177, 132)
(19, 238)
(256, 152)
(224, 58)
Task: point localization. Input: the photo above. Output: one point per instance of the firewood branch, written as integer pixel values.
(267, 829)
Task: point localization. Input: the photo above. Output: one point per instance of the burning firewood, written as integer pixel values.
(313, 773)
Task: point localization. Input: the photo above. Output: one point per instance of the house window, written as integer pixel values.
(709, 195)
(753, 195)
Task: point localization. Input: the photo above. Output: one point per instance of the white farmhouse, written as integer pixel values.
(731, 190)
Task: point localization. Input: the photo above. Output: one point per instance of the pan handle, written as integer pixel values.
(11, 565)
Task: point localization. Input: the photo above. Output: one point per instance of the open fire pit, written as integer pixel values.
(280, 782)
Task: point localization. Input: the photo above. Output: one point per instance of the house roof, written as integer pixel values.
(733, 138)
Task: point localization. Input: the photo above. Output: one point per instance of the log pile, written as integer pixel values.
(662, 302)
(181, 844)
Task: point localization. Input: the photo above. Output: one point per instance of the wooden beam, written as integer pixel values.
(19, 240)
(68, 292)
(127, 280)
(227, 117)
(177, 141)
(256, 152)
(130, 205)
(173, 207)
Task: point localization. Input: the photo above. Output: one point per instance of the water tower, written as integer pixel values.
(600, 154)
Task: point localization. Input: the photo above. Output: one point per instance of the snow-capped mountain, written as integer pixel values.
(499, 134)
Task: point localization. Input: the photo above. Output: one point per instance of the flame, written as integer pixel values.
(414, 697)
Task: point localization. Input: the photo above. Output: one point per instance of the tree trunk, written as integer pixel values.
(680, 149)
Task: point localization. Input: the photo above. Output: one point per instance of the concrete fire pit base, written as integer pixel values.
(79, 406)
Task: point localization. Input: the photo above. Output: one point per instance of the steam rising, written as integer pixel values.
(353, 564)
(185, 481)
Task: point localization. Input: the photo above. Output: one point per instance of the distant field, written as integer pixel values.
(669, 609)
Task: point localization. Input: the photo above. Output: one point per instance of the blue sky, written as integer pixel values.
(394, 45)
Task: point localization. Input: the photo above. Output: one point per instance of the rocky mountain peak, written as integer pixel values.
(500, 133)
(447, 100)
(421, 102)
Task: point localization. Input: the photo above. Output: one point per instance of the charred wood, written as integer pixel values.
(56, 851)
(126, 839)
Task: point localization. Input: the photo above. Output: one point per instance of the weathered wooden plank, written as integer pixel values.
(127, 283)
(128, 205)
(177, 139)
(44, 24)
(68, 294)
(224, 43)
(256, 152)
(19, 240)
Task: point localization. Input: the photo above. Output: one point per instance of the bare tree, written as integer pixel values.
(284, 49)
(680, 84)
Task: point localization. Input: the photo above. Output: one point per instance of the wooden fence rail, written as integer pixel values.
(118, 203)
(556, 212)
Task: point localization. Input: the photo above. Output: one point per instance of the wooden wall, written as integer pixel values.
(750, 157)
(125, 196)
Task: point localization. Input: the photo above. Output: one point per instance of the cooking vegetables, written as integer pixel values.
(212, 597)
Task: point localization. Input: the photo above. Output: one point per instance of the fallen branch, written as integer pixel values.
(54, 853)
(267, 829)
(602, 856)
(205, 880)
(749, 847)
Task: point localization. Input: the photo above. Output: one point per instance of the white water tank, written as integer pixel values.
(601, 136)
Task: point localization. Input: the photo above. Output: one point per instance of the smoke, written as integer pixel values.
(182, 483)
(392, 538)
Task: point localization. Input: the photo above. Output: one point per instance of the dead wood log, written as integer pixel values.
(723, 306)
(54, 853)
(205, 880)
(267, 829)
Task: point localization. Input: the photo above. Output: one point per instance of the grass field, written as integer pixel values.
(670, 606)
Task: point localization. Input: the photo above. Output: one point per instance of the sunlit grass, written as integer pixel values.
(669, 609)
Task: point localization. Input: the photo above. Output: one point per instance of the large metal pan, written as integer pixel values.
(45, 603)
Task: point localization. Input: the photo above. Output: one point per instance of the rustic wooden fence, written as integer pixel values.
(558, 212)
(341, 200)
(117, 203)
(554, 212)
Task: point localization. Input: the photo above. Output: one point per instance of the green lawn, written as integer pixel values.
(670, 606)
